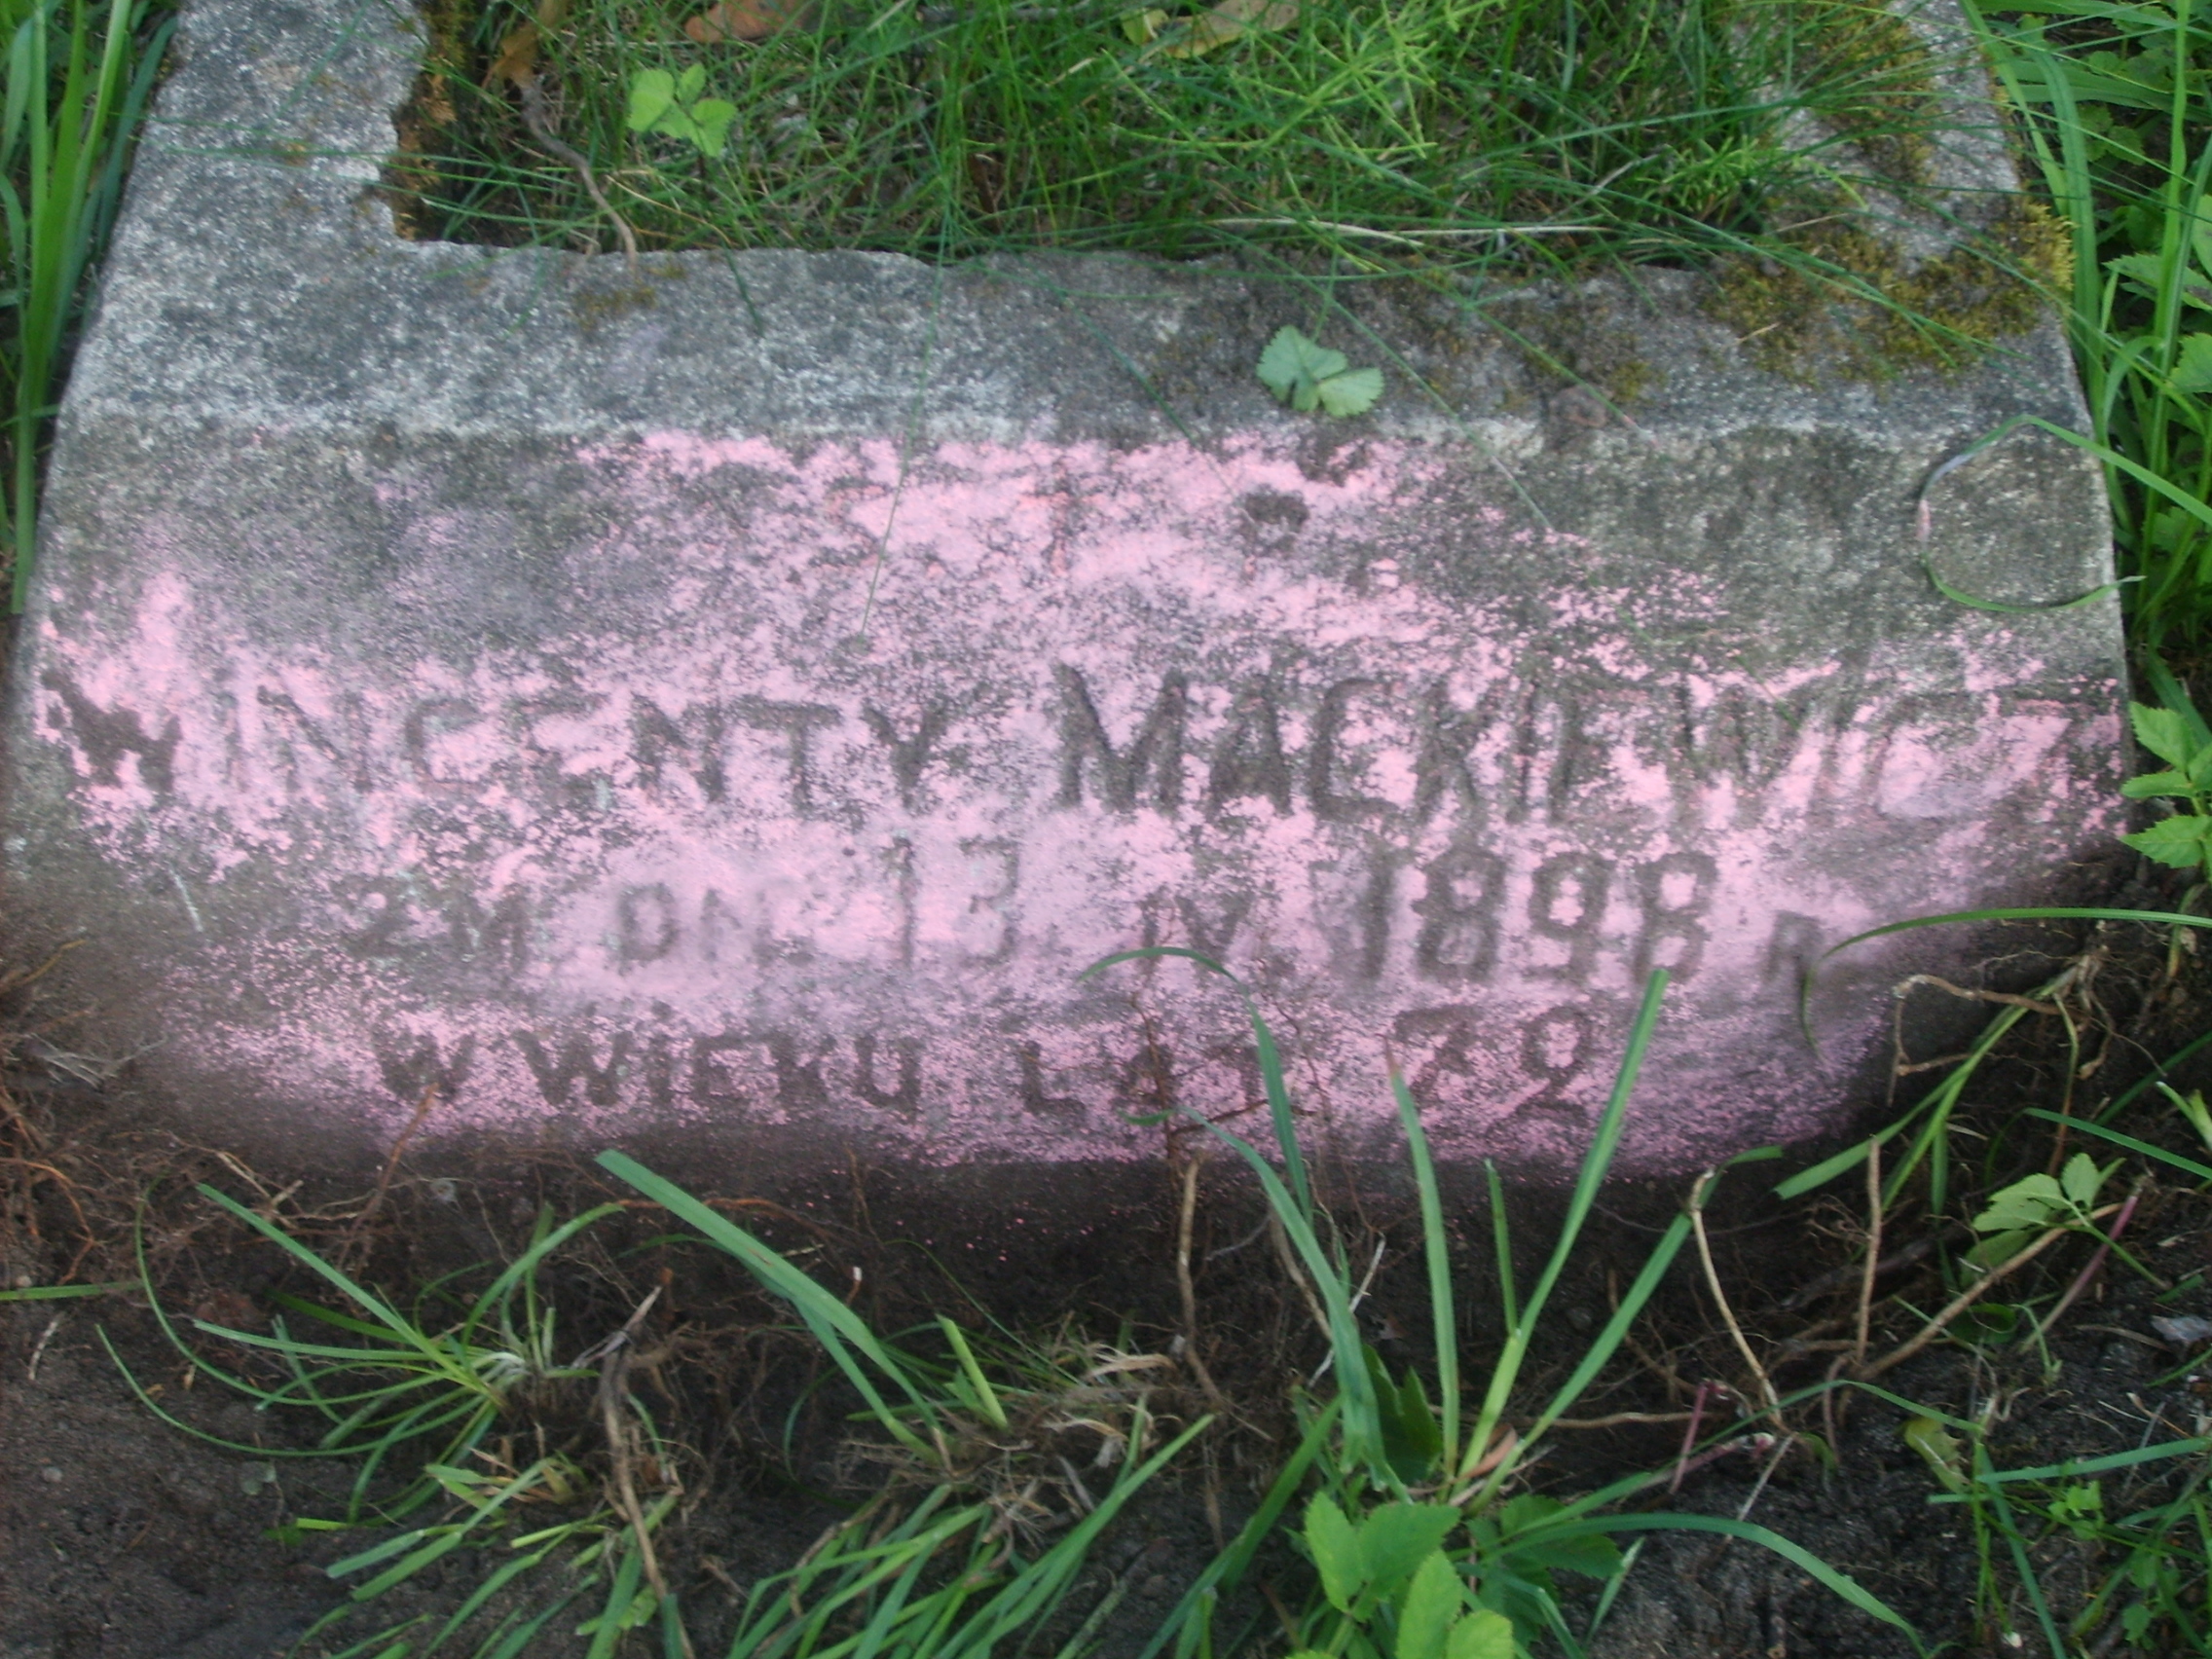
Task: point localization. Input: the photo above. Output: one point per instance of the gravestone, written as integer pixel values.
(737, 696)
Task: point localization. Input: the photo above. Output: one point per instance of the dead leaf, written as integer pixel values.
(1259, 13)
(748, 20)
(518, 55)
(1218, 25)
(518, 52)
(234, 1309)
(2185, 1330)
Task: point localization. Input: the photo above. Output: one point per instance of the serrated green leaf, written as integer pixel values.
(1321, 363)
(1282, 365)
(2192, 368)
(1305, 396)
(1433, 1601)
(1480, 1635)
(1395, 1539)
(1353, 392)
(2030, 1201)
(1529, 1509)
(713, 117)
(676, 123)
(2152, 784)
(2081, 1179)
(690, 83)
(1592, 1555)
(652, 92)
(1999, 1248)
(2178, 841)
(2140, 268)
(1940, 1449)
(1334, 1544)
(2165, 732)
(2200, 233)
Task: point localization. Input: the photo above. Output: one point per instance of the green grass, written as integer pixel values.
(474, 1442)
(1422, 1541)
(76, 80)
(1356, 135)
(2113, 106)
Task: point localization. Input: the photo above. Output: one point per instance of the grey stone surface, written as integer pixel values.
(739, 696)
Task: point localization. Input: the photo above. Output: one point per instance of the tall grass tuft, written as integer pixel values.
(77, 77)
(1331, 138)
(2112, 101)
(1425, 1541)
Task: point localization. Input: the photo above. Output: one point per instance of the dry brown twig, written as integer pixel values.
(1873, 1246)
(1770, 1401)
(2096, 1261)
(613, 1373)
(1974, 1293)
(1186, 1222)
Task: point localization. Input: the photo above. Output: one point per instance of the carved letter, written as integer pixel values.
(1323, 759)
(413, 1077)
(557, 1078)
(1211, 937)
(1457, 942)
(653, 734)
(906, 1098)
(1248, 759)
(555, 785)
(1440, 764)
(645, 923)
(1033, 1095)
(435, 717)
(1792, 948)
(799, 721)
(1157, 748)
(717, 921)
(707, 1077)
(354, 767)
(389, 902)
(909, 887)
(1009, 855)
(108, 734)
(502, 937)
(908, 756)
(1678, 915)
(798, 1082)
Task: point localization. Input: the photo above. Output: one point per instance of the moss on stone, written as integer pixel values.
(1853, 304)
(1579, 339)
(1856, 40)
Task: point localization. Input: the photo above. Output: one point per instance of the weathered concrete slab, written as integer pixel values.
(741, 695)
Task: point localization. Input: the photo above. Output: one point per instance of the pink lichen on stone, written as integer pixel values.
(915, 741)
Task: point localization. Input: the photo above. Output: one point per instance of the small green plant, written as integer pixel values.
(2112, 99)
(1307, 375)
(1412, 1525)
(2147, 1556)
(1391, 1562)
(933, 1568)
(422, 1397)
(2033, 1206)
(671, 106)
(78, 74)
(2179, 738)
(2193, 1111)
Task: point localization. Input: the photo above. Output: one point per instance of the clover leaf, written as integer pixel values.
(1308, 376)
(671, 106)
